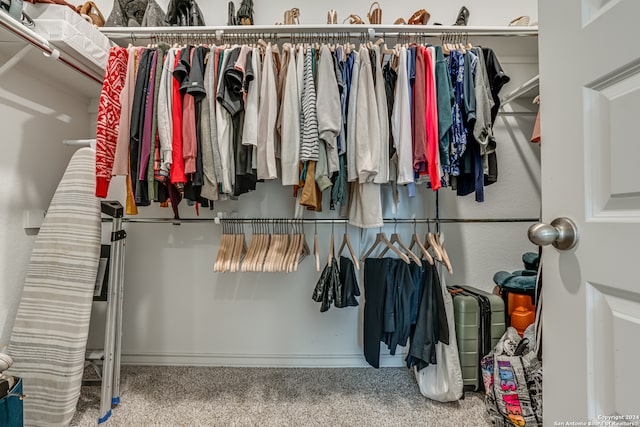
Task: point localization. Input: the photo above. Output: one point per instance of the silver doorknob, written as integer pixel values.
(562, 233)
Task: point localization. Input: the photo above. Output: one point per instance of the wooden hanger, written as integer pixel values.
(382, 238)
(346, 241)
(289, 253)
(441, 253)
(250, 249)
(415, 240)
(395, 239)
(305, 251)
(239, 249)
(261, 251)
(223, 258)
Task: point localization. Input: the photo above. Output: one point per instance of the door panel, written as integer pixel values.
(613, 324)
(610, 115)
(590, 109)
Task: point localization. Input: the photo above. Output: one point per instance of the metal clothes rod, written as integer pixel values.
(526, 87)
(321, 221)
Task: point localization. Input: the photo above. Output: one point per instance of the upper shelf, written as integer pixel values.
(141, 35)
(18, 42)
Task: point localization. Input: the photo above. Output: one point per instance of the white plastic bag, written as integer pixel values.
(443, 381)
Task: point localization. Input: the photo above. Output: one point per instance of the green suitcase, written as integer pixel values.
(480, 322)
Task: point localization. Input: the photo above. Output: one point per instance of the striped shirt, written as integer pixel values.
(309, 148)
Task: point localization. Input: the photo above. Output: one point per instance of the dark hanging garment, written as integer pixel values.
(231, 96)
(390, 79)
(142, 189)
(349, 282)
(431, 325)
(402, 285)
(324, 292)
(376, 271)
(497, 79)
(137, 118)
(195, 88)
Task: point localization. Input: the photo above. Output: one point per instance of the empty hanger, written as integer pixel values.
(415, 240)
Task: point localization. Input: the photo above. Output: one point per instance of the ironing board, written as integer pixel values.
(49, 338)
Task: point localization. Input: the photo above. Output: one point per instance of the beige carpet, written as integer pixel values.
(181, 396)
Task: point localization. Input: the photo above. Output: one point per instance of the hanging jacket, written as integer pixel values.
(401, 122)
(328, 107)
(352, 171)
(367, 131)
(267, 116)
(290, 156)
(383, 121)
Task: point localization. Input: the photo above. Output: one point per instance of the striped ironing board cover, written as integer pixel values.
(49, 338)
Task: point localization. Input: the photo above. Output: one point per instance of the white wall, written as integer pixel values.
(176, 310)
(35, 116)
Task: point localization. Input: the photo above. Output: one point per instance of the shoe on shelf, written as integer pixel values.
(292, 16)
(231, 14)
(399, 21)
(90, 10)
(375, 13)
(353, 19)
(420, 17)
(520, 21)
(463, 16)
(332, 17)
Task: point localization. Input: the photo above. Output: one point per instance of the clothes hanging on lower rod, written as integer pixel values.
(403, 304)
(205, 123)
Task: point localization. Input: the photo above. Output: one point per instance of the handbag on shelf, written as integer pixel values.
(184, 13)
(245, 13)
(136, 13)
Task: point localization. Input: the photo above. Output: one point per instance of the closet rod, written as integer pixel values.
(286, 31)
(323, 220)
(526, 87)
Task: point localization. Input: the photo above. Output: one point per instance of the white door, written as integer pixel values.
(590, 98)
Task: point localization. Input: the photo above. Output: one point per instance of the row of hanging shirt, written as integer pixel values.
(207, 122)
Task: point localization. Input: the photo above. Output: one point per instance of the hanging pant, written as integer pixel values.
(376, 272)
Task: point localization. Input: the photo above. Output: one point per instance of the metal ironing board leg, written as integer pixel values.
(110, 375)
(118, 332)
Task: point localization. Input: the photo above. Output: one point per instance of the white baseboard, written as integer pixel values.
(261, 360)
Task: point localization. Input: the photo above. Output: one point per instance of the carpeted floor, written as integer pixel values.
(182, 396)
